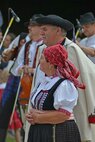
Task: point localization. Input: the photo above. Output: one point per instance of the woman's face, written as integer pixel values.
(46, 67)
(7, 41)
(22, 42)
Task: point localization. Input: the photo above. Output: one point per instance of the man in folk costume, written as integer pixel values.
(30, 47)
(37, 78)
(36, 46)
(27, 56)
(54, 30)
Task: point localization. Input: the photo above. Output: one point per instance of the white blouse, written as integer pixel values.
(20, 58)
(65, 96)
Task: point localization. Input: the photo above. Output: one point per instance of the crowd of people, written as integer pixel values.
(47, 81)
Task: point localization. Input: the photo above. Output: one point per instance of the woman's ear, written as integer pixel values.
(51, 66)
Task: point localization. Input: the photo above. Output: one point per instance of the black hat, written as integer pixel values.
(87, 18)
(33, 19)
(56, 20)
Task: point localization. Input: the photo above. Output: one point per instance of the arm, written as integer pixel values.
(19, 63)
(64, 102)
(87, 50)
(9, 53)
(46, 117)
(25, 69)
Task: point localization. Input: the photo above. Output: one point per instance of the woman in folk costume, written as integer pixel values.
(52, 101)
(9, 94)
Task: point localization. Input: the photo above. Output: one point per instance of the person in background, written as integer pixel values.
(16, 125)
(51, 114)
(8, 98)
(8, 39)
(4, 72)
(87, 44)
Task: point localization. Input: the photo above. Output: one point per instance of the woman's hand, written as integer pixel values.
(33, 115)
(29, 118)
(46, 117)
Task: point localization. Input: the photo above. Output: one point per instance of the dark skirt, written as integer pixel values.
(63, 132)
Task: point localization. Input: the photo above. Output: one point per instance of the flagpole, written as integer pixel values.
(9, 25)
(16, 98)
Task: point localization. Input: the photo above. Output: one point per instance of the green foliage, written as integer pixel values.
(10, 138)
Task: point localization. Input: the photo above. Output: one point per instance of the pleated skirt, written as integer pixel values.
(63, 132)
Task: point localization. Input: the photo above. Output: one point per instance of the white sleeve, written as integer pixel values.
(20, 59)
(65, 96)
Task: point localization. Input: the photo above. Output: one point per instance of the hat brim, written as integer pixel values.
(56, 21)
(87, 22)
(31, 23)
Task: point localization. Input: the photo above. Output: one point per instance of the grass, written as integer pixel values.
(10, 138)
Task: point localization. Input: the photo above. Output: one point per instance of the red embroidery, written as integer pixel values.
(65, 111)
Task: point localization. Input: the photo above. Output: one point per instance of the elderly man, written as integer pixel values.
(87, 44)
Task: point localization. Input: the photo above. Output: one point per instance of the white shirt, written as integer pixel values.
(20, 59)
(15, 42)
(89, 42)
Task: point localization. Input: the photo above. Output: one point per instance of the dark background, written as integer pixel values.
(69, 9)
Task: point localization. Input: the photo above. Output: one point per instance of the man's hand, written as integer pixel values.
(78, 43)
(26, 69)
(7, 55)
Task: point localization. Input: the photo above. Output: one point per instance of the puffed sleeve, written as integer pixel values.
(65, 96)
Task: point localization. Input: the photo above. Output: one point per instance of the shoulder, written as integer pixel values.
(67, 87)
(83, 40)
(68, 84)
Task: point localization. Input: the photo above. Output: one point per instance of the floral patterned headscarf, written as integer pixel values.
(58, 55)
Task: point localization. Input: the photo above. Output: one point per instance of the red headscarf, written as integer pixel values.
(58, 55)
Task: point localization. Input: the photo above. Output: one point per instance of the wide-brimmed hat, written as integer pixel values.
(55, 20)
(87, 18)
(32, 20)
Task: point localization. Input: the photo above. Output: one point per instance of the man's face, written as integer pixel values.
(49, 34)
(88, 29)
(34, 31)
